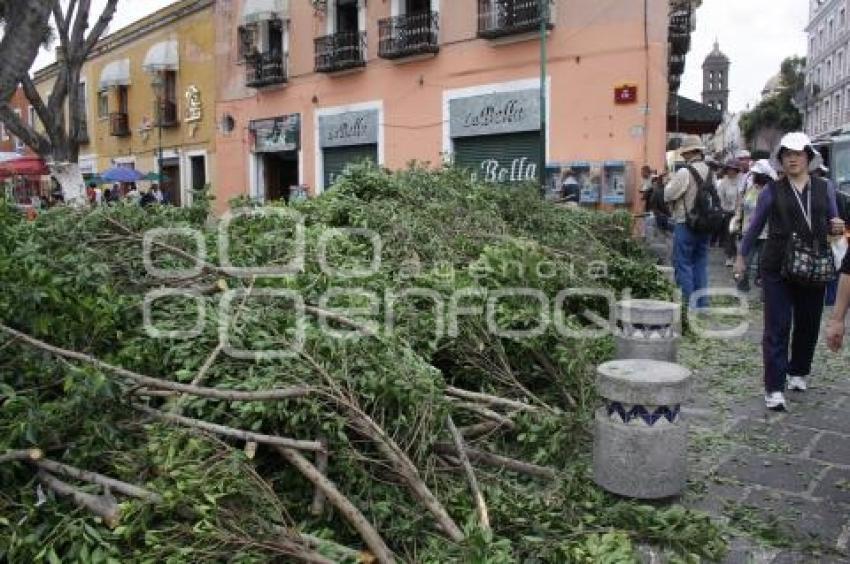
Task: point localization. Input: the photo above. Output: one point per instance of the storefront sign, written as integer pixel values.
(502, 112)
(278, 134)
(351, 128)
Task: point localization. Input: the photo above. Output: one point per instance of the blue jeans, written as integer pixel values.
(690, 259)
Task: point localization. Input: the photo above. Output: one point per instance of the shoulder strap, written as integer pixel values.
(697, 178)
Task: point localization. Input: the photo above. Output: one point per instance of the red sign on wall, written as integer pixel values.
(625, 94)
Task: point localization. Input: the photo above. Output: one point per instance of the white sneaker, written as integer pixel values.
(797, 384)
(730, 262)
(775, 401)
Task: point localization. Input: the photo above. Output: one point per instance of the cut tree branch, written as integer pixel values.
(103, 506)
(318, 505)
(499, 461)
(484, 412)
(480, 503)
(93, 477)
(16, 126)
(225, 431)
(348, 510)
(490, 399)
(28, 455)
(158, 383)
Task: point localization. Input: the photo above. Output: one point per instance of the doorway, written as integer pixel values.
(170, 186)
(347, 18)
(199, 172)
(280, 175)
(417, 6)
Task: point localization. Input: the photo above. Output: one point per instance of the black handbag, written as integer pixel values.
(806, 263)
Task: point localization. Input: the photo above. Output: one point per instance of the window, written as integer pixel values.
(841, 19)
(103, 104)
(247, 41)
(19, 145)
(81, 100)
(812, 46)
(123, 102)
(347, 16)
(32, 117)
(830, 33)
(3, 135)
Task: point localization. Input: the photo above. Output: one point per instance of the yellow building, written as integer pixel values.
(150, 99)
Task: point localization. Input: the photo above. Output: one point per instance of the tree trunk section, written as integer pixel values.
(70, 179)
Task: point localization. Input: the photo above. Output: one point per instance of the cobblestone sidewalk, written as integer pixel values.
(780, 481)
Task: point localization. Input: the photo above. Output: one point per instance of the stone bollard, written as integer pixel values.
(640, 445)
(647, 329)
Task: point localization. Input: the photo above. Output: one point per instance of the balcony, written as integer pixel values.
(340, 51)
(264, 69)
(119, 124)
(165, 114)
(677, 64)
(408, 35)
(501, 18)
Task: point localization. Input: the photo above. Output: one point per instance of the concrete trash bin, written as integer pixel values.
(647, 329)
(640, 443)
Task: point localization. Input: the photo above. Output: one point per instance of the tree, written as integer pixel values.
(59, 144)
(778, 112)
(25, 27)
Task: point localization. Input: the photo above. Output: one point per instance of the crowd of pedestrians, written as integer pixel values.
(780, 223)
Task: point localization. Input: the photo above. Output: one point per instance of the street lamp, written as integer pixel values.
(158, 85)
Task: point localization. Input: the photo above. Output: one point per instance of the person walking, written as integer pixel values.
(762, 173)
(690, 249)
(727, 189)
(802, 205)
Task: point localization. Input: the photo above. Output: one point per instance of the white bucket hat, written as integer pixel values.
(797, 141)
(763, 166)
(691, 143)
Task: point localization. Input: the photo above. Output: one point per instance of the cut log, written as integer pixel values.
(99, 479)
(103, 506)
(28, 455)
(348, 510)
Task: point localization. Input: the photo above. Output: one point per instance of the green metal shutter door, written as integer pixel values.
(509, 157)
(337, 158)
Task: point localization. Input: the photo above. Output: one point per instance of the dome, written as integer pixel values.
(772, 86)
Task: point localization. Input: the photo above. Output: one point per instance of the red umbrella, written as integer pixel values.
(24, 166)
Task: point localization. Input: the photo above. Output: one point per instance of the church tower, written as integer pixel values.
(715, 80)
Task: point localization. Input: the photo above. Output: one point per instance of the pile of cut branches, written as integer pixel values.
(391, 372)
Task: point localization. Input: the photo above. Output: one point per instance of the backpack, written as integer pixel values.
(706, 215)
(656, 200)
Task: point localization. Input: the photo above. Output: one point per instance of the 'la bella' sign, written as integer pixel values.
(491, 114)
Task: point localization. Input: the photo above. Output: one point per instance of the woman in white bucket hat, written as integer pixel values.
(805, 205)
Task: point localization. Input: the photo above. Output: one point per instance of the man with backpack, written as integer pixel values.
(696, 213)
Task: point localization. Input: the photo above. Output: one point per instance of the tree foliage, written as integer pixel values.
(778, 111)
(78, 279)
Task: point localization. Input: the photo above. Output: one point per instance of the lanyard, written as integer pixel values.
(807, 209)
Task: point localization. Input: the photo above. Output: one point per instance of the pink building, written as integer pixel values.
(306, 87)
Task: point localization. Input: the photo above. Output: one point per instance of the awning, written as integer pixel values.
(24, 166)
(688, 116)
(164, 56)
(116, 73)
(255, 11)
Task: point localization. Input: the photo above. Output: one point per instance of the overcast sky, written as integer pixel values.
(756, 35)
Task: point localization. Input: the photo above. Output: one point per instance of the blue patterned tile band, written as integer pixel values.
(637, 414)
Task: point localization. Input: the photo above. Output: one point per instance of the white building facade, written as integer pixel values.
(827, 101)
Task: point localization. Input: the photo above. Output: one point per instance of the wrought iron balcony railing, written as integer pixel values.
(410, 34)
(500, 18)
(165, 113)
(264, 69)
(119, 124)
(340, 51)
(677, 64)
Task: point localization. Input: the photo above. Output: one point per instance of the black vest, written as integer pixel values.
(786, 217)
